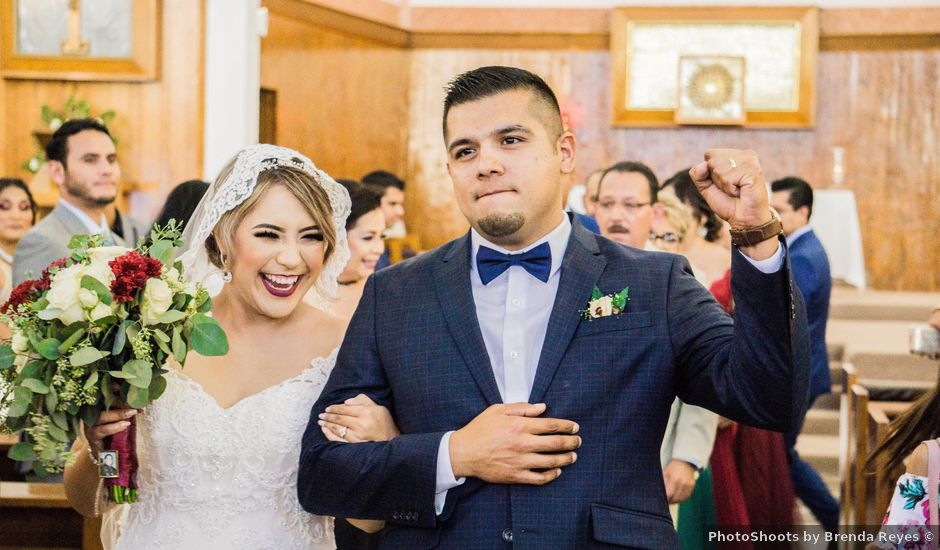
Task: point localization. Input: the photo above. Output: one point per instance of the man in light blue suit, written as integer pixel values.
(792, 198)
(531, 365)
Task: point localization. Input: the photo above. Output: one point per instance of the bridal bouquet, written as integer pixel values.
(95, 331)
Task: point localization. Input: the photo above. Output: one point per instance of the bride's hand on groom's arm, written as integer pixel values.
(356, 420)
(509, 444)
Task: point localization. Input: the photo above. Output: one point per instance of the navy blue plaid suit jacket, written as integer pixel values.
(415, 346)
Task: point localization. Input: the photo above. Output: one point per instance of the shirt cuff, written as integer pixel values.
(445, 474)
(771, 264)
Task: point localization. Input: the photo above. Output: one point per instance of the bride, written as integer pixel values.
(218, 451)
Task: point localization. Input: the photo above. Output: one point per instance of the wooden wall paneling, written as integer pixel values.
(882, 107)
(342, 99)
(159, 124)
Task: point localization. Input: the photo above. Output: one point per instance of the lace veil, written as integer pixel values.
(224, 196)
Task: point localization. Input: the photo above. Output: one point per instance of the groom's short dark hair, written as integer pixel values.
(489, 81)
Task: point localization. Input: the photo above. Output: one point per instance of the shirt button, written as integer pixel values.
(507, 535)
(516, 302)
(513, 354)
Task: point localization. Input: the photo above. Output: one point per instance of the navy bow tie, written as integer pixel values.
(491, 263)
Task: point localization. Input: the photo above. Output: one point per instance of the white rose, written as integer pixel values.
(100, 311)
(19, 343)
(104, 254)
(63, 293)
(602, 306)
(99, 271)
(156, 301)
(87, 298)
(55, 123)
(72, 314)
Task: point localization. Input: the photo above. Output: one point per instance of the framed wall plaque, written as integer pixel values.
(98, 40)
(778, 46)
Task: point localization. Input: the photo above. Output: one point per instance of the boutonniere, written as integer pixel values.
(605, 305)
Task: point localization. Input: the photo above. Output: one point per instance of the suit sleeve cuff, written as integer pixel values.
(769, 265)
(445, 474)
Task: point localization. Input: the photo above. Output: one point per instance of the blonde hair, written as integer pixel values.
(676, 214)
(302, 185)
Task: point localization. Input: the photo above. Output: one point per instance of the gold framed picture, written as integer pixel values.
(778, 44)
(710, 90)
(94, 40)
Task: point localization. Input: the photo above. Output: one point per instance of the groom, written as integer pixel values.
(522, 421)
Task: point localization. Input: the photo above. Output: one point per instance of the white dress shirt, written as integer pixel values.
(513, 311)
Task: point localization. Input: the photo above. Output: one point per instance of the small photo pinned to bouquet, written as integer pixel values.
(108, 464)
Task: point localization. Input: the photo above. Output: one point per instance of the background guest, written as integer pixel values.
(364, 228)
(181, 202)
(626, 200)
(392, 190)
(699, 243)
(84, 166)
(792, 198)
(17, 216)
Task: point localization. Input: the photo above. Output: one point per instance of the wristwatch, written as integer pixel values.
(753, 235)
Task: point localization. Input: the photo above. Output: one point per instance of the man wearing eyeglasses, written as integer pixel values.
(627, 204)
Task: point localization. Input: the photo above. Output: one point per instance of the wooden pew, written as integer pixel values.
(847, 379)
(38, 515)
(873, 486)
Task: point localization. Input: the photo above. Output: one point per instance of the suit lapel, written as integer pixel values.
(72, 224)
(76, 227)
(452, 281)
(580, 271)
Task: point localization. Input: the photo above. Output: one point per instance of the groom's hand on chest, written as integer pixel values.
(513, 444)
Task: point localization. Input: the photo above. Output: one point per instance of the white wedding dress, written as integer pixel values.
(214, 478)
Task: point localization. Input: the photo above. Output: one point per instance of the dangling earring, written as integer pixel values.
(226, 274)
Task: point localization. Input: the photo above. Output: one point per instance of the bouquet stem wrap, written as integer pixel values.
(123, 489)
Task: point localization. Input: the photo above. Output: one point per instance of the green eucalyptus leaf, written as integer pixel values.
(58, 433)
(138, 397)
(106, 392)
(49, 314)
(60, 420)
(207, 337)
(71, 341)
(52, 400)
(22, 452)
(49, 348)
(22, 399)
(157, 387)
(163, 346)
(160, 335)
(33, 369)
(35, 386)
(86, 356)
(164, 251)
(92, 380)
(6, 356)
(96, 286)
(120, 337)
(178, 345)
(138, 373)
(171, 316)
(90, 414)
